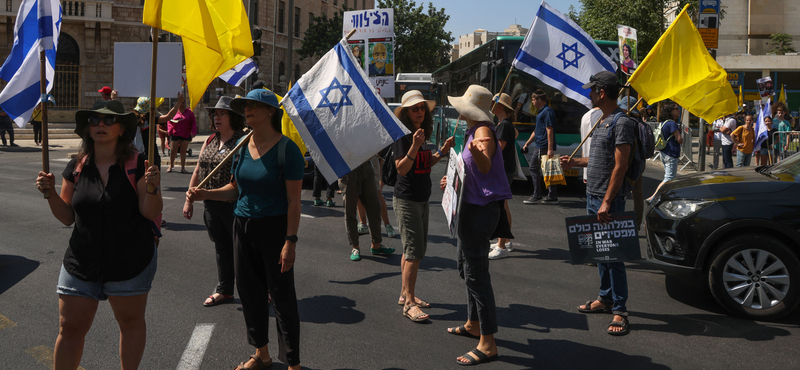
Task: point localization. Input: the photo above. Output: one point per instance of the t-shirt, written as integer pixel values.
(602, 155)
(730, 124)
(262, 191)
(782, 126)
(673, 149)
(505, 132)
(546, 118)
(746, 137)
(183, 124)
(416, 184)
(111, 240)
(587, 122)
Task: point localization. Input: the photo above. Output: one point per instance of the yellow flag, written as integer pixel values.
(215, 35)
(287, 126)
(680, 68)
(782, 97)
(741, 98)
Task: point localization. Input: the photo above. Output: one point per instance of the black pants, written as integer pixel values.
(320, 182)
(7, 127)
(538, 178)
(258, 243)
(37, 131)
(218, 217)
(475, 227)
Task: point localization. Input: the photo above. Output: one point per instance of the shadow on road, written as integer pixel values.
(175, 226)
(564, 354)
(329, 309)
(13, 269)
(520, 316)
(708, 325)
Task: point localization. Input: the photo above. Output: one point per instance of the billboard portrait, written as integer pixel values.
(627, 48)
(357, 46)
(381, 57)
(765, 87)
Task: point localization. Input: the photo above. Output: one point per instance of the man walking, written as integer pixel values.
(6, 125)
(545, 144)
(606, 190)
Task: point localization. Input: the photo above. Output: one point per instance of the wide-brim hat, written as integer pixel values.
(475, 104)
(107, 107)
(411, 99)
(503, 99)
(143, 104)
(262, 96)
(224, 102)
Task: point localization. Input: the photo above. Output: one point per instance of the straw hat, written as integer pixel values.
(411, 99)
(504, 99)
(107, 107)
(475, 104)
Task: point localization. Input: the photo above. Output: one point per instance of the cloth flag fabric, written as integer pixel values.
(761, 128)
(741, 98)
(37, 28)
(561, 54)
(339, 114)
(680, 68)
(782, 96)
(238, 74)
(287, 126)
(215, 35)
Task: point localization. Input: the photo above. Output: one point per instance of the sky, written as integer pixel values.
(466, 16)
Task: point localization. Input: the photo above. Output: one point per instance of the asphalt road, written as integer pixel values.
(350, 318)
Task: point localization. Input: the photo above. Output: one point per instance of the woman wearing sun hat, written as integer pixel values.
(111, 253)
(485, 184)
(414, 160)
(142, 113)
(218, 215)
(266, 218)
(506, 136)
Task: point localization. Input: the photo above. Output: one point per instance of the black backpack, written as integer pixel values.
(389, 170)
(648, 139)
(637, 158)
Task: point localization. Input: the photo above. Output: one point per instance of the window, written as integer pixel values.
(335, 2)
(281, 70)
(310, 19)
(363, 4)
(296, 22)
(344, 4)
(281, 10)
(254, 13)
(296, 72)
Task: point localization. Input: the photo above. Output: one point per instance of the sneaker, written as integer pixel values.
(390, 231)
(532, 200)
(496, 254)
(548, 201)
(362, 229)
(318, 202)
(330, 203)
(12, 144)
(382, 251)
(509, 246)
(356, 255)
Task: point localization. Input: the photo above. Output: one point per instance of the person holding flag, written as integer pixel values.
(744, 140)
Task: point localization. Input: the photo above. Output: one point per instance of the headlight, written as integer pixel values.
(679, 209)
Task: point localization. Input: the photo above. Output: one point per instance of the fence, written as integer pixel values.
(786, 143)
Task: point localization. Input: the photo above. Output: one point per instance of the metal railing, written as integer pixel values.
(787, 143)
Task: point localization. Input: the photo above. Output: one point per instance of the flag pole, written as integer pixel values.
(153, 124)
(595, 126)
(43, 104)
(502, 87)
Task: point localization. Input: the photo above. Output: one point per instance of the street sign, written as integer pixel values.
(709, 6)
(710, 37)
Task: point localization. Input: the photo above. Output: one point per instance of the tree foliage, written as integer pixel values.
(421, 43)
(322, 35)
(781, 43)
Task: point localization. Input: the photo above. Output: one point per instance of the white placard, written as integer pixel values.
(373, 45)
(132, 61)
(453, 191)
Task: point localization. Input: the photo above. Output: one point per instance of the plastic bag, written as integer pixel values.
(553, 174)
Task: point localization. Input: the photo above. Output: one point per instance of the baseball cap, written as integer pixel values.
(604, 78)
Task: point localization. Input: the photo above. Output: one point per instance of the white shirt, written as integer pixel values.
(587, 122)
(730, 123)
(716, 126)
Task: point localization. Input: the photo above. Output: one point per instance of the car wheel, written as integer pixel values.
(755, 276)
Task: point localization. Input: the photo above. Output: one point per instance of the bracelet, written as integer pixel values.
(412, 159)
(440, 152)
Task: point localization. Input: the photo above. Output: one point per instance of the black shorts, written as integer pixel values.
(180, 138)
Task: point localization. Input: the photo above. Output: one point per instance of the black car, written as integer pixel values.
(738, 230)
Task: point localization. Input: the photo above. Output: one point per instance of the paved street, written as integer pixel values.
(349, 312)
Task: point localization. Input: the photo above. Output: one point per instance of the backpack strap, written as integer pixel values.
(131, 165)
(208, 141)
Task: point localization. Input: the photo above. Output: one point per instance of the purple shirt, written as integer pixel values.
(479, 188)
(183, 124)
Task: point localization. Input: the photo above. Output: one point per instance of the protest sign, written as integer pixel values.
(373, 45)
(765, 87)
(132, 77)
(592, 242)
(627, 48)
(451, 199)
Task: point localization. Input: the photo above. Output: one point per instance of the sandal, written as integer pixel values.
(481, 358)
(223, 299)
(259, 364)
(620, 324)
(462, 331)
(587, 308)
(421, 304)
(417, 317)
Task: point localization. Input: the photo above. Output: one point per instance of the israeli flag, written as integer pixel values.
(238, 74)
(339, 115)
(37, 28)
(761, 128)
(561, 54)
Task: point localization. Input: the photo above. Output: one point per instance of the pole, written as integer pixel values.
(290, 43)
(702, 149)
(151, 131)
(502, 87)
(274, 33)
(595, 126)
(43, 105)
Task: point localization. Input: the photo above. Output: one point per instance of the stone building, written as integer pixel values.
(471, 41)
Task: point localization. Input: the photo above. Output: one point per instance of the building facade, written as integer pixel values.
(471, 41)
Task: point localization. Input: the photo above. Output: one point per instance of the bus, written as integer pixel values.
(488, 66)
(405, 82)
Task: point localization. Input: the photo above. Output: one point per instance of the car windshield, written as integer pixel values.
(786, 170)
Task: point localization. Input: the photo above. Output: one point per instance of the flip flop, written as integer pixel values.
(620, 324)
(603, 309)
(259, 364)
(482, 358)
(214, 302)
(183, 171)
(414, 318)
(462, 332)
(422, 303)
(169, 169)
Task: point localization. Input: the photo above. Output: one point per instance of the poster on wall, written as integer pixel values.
(374, 38)
(765, 87)
(627, 48)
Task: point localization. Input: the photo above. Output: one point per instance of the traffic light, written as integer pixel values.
(256, 42)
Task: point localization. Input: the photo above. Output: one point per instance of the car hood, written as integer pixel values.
(719, 184)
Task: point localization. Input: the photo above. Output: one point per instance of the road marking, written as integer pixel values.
(306, 216)
(193, 354)
(44, 356)
(167, 198)
(6, 323)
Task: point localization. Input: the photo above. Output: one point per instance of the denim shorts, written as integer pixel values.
(670, 167)
(70, 285)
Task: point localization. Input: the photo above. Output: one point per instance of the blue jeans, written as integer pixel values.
(670, 167)
(742, 159)
(613, 279)
(727, 156)
(140, 284)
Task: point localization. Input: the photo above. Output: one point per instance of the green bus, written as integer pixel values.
(488, 66)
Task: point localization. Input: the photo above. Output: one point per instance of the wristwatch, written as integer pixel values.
(292, 238)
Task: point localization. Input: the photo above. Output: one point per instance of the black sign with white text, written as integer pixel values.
(592, 242)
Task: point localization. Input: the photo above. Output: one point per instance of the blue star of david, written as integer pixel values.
(335, 107)
(563, 55)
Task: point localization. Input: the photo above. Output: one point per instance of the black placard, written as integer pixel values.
(592, 242)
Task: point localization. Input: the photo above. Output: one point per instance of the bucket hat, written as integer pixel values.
(224, 102)
(475, 104)
(503, 99)
(411, 99)
(143, 104)
(262, 96)
(108, 107)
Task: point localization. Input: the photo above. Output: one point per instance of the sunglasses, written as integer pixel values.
(416, 108)
(107, 120)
